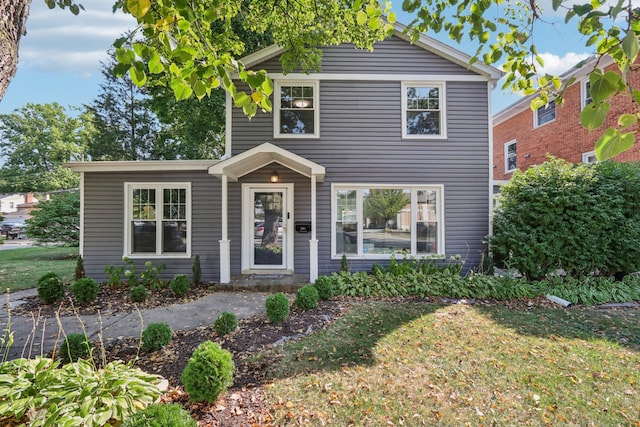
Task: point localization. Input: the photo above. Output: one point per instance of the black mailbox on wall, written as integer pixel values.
(303, 226)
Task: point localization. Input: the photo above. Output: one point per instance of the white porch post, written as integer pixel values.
(313, 243)
(225, 244)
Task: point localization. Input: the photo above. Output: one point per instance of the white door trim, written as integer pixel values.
(248, 227)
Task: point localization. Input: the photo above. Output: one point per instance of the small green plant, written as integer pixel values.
(277, 307)
(180, 285)
(75, 347)
(85, 290)
(306, 297)
(155, 336)
(208, 373)
(130, 272)
(344, 264)
(50, 288)
(114, 275)
(197, 271)
(150, 277)
(324, 287)
(161, 415)
(79, 272)
(225, 323)
(138, 294)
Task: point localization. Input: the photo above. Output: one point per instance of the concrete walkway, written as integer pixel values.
(34, 336)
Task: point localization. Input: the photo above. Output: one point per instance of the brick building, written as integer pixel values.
(522, 137)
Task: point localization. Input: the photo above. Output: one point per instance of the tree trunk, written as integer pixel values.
(13, 17)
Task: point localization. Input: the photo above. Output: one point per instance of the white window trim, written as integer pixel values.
(158, 186)
(439, 188)
(555, 115)
(506, 156)
(443, 108)
(585, 156)
(584, 93)
(276, 109)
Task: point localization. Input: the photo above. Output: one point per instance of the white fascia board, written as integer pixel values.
(141, 165)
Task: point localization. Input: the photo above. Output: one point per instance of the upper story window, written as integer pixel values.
(586, 93)
(158, 221)
(589, 157)
(297, 110)
(545, 114)
(423, 110)
(510, 156)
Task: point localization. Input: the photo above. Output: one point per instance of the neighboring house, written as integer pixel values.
(378, 153)
(522, 137)
(9, 202)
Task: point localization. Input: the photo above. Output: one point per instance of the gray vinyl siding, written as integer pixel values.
(104, 222)
(361, 142)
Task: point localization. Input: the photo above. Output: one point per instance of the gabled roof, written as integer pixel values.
(262, 155)
(425, 42)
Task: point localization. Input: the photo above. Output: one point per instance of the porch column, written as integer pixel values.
(225, 244)
(313, 243)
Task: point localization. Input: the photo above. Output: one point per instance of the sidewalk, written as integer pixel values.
(30, 340)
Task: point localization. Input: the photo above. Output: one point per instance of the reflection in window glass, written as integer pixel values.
(546, 114)
(297, 104)
(346, 222)
(387, 220)
(423, 111)
(426, 222)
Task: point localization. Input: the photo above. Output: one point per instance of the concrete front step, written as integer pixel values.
(265, 283)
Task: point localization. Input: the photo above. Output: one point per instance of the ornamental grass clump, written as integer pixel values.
(161, 415)
(306, 297)
(156, 336)
(138, 294)
(324, 287)
(225, 323)
(85, 290)
(277, 307)
(50, 288)
(208, 373)
(180, 285)
(75, 347)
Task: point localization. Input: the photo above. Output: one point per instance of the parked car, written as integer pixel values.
(12, 230)
(259, 232)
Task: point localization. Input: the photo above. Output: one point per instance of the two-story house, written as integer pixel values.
(378, 153)
(523, 137)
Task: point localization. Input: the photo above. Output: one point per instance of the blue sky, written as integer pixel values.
(59, 58)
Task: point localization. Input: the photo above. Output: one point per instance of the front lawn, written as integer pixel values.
(22, 267)
(428, 364)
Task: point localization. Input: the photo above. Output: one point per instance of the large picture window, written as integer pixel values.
(375, 221)
(296, 110)
(423, 111)
(158, 219)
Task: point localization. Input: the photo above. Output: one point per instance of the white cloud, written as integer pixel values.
(556, 65)
(58, 41)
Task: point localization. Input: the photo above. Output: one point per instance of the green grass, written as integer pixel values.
(427, 364)
(21, 268)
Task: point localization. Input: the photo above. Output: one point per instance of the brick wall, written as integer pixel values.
(564, 137)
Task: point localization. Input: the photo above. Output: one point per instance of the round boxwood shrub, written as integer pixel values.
(85, 290)
(138, 293)
(208, 373)
(50, 288)
(180, 285)
(306, 297)
(277, 306)
(324, 287)
(155, 336)
(161, 415)
(225, 323)
(74, 347)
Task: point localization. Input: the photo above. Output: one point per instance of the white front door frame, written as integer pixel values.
(248, 227)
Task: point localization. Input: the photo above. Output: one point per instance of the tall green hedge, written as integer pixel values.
(582, 218)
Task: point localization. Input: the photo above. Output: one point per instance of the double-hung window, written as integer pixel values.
(375, 221)
(586, 93)
(297, 109)
(423, 110)
(545, 114)
(510, 156)
(158, 219)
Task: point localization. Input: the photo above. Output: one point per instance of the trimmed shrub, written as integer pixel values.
(208, 373)
(74, 347)
(197, 271)
(85, 290)
(79, 271)
(277, 306)
(579, 218)
(155, 336)
(161, 415)
(138, 294)
(324, 287)
(50, 288)
(225, 323)
(180, 285)
(306, 297)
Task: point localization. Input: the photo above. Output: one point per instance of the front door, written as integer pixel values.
(266, 232)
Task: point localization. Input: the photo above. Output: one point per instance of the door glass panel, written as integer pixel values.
(268, 228)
